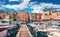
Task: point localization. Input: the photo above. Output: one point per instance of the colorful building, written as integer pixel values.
(32, 17)
(55, 15)
(22, 16)
(46, 16)
(51, 15)
(2, 14)
(35, 17)
(38, 16)
(8, 15)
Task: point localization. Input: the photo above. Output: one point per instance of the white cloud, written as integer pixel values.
(17, 7)
(13, 0)
(39, 8)
(49, 5)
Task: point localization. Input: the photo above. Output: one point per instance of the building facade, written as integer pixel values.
(46, 15)
(2, 14)
(35, 17)
(22, 16)
(32, 17)
(55, 15)
(50, 15)
(38, 17)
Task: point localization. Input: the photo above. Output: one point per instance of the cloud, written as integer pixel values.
(49, 5)
(19, 6)
(39, 8)
(13, 0)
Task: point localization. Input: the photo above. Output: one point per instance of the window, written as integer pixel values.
(49, 13)
(54, 11)
(46, 14)
(58, 14)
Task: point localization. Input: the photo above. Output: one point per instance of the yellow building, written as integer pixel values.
(48, 15)
(7, 17)
(55, 15)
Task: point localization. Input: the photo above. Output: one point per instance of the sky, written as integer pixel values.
(30, 6)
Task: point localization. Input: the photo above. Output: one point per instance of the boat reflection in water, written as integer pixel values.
(3, 32)
(9, 31)
(41, 34)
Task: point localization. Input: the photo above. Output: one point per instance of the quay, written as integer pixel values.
(23, 32)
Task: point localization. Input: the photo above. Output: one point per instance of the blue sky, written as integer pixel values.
(34, 6)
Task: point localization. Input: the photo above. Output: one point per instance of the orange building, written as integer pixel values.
(22, 16)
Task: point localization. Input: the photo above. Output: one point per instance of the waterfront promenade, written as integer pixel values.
(24, 32)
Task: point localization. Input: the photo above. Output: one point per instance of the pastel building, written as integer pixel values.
(55, 15)
(50, 15)
(32, 17)
(22, 16)
(38, 16)
(35, 17)
(2, 14)
(8, 15)
(5, 15)
(46, 15)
